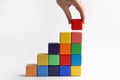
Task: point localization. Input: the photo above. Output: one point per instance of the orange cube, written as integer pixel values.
(31, 70)
(65, 48)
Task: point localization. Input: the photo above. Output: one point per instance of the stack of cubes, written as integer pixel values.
(63, 59)
(70, 52)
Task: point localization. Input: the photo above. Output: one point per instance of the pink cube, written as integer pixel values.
(76, 37)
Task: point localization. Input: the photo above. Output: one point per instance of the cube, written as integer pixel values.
(65, 37)
(65, 48)
(42, 71)
(53, 48)
(31, 70)
(65, 60)
(76, 48)
(65, 70)
(76, 24)
(53, 71)
(76, 60)
(42, 59)
(76, 37)
(75, 70)
(54, 60)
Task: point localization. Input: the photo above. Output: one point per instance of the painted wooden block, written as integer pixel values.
(75, 70)
(42, 71)
(65, 37)
(53, 48)
(64, 70)
(31, 70)
(53, 71)
(76, 60)
(54, 60)
(65, 60)
(76, 24)
(76, 48)
(76, 37)
(65, 48)
(42, 59)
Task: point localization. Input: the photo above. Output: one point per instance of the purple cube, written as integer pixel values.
(53, 48)
(53, 71)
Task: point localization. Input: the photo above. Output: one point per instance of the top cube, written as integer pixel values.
(76, 24)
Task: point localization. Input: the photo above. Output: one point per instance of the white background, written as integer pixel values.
(27, 26)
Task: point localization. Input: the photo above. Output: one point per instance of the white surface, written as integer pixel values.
(26, 27)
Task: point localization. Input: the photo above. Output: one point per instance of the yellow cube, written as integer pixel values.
(75, 70)
(42, 59)
(65, 37)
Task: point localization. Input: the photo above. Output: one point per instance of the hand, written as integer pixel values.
(65, 5)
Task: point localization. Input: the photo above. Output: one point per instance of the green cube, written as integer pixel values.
(76, 48)
(54, 60)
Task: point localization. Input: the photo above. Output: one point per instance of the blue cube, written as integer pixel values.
(64, 70)
(42, 71)
(76, 60)
(53, 48)
(53, 71)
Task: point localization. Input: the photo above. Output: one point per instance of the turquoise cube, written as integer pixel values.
(76, 60)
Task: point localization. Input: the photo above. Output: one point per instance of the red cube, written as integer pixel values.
(65, 60)
(76, 24)
(76, 37)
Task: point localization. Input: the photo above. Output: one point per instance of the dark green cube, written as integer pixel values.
(54, 60)
(76, 48)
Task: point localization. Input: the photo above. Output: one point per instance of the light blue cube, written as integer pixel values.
(76, 60)
(42, 71)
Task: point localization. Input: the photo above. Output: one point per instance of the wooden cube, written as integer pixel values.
(65, 60)
(76, 24)
(76, 60)
(42, 71)
(42, 59)
(65, 48)
(53, 48)
(31, 70)
(64, 70)
(54, 60)
(65, 37)
(53, 70)
(76, 37)
(75, 70)
(76, 48)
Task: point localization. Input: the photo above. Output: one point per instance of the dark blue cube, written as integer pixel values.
(64, 70)
(53, 71)
(76, 60)
(53, 48)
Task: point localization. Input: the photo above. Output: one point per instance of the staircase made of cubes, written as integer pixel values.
(63, 58)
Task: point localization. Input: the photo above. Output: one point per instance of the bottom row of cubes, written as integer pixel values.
(34, 70)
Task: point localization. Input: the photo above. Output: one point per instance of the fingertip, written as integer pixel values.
(69, 21)
(83, 21)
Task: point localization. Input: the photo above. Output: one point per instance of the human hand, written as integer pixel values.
(65, 5)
